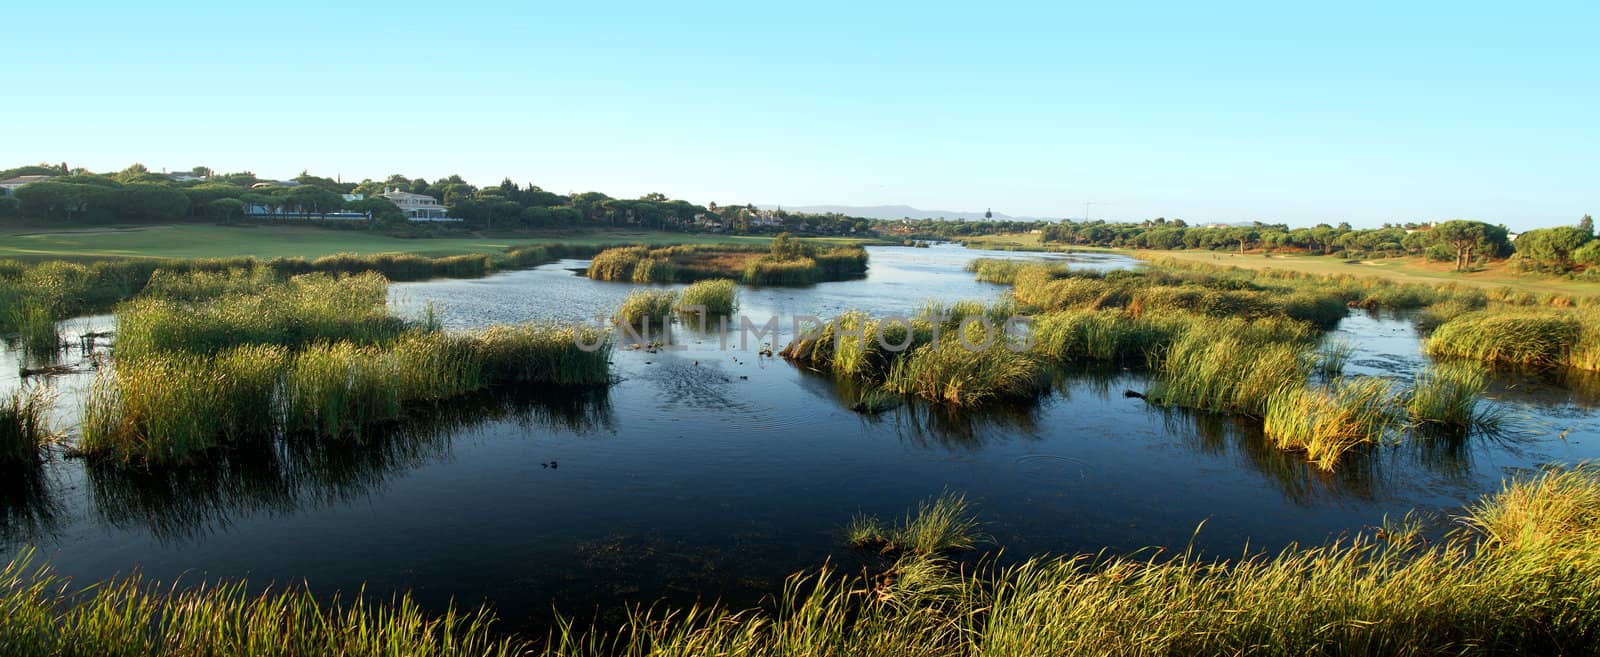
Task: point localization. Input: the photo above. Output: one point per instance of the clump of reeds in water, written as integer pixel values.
(303, 310)
(707, 299)
(35, 323)
(1330, 359)
(646, 309)
(170, 407)
(43, 613)
(1216, 370)
(966, 374)
(1328, 421)
(24, 424)
(1004, 270)
(544, 354)
(1450, 395)
(1530, 338)
(937, 526)
(339, 389)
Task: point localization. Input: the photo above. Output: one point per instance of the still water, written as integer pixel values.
(710, 473)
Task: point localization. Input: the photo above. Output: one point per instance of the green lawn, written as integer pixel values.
(207, 241)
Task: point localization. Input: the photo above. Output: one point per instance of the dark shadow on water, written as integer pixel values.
(184, 503)
(27, 510)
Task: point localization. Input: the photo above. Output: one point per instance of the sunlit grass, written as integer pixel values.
(1328, 421)
(24, 424)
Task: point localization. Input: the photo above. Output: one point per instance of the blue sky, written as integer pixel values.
(1294, 112)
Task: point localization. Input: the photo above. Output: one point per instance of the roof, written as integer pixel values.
(399, 195)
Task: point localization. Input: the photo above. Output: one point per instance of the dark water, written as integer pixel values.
(707, 473)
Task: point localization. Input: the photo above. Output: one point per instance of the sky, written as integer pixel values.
(1285, 112)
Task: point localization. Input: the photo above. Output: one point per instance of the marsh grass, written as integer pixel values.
(43, 613)
(718, 298)
(786, 262)
(25, 424)
(938, 526)
(1004, 270)
(1330, 359)
(35, 323)
(646, 308)
(1326, 422)
(952, 373)
(544, 354)
(1518, 577)
(1215, 370)
(1526, 338)
(1450, 395)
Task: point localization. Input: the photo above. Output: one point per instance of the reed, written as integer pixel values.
(174, 407)
(1326, 422)
(799, 271)
(544, 354)
(340, 389)
(1331, 358)
(43, 613)
(35, 322)
(1003, 270)
(1530, 338)
(961, 375)
(305, 309)
(24, 425)
(937, 526)
(1214, 370)
(645, 308)
(718, 297)
(1450, 395)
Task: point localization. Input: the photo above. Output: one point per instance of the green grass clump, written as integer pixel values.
(1331, 357)
(43, 613)
(35, 322)
(24, 425)
(1103, 336)
(951, 373)
(1215, 370)
(1450, 395)
(203, 285)
(937, 526)
(1004, 270)
(646, 307)
(340, 389)
(1530, 338)
(544, 355)
(303, 310)
(172, 407)
(1328, 421)
(719, 297)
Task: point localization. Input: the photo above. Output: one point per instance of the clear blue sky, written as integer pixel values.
(1296, 112)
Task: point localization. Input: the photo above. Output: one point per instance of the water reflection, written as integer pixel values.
(27, 510)
(186, 503)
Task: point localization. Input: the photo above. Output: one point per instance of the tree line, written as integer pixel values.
(137, 195)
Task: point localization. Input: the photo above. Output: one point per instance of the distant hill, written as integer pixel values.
(891, 212)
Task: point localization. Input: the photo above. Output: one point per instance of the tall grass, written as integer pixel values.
(719, 297)
(1328, 421)
(1003, 270)
(1450, 395)
(24, 424)
(544, 354)
(1215, 370)
(1531, 338)
(1521, 576)
(36, 328)
(43, 613)
(937, 526)
(966, 375)
(645, 308)
(305, 309)
(172, 407)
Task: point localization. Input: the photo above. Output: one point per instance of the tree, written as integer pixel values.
(150, 203)
(310, 199)
(1469, 237)
(1551, 248)
(1586, 224)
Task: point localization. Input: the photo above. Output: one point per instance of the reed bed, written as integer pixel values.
(1214, 370)
(24, 425)
(1004, 270)
(952, 373)
(1450, 395)
(645, 308)
(43, 613)
(791, 262)
(173, 407)
(35, 323)
(1527, 338)
(1520, 576)
(544, 354)
(1326, 422)
(304, 309)
(717, 297)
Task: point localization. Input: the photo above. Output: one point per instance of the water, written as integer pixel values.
(713, 474)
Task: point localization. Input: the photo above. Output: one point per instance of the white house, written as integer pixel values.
(418, 207)
(11, 184)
